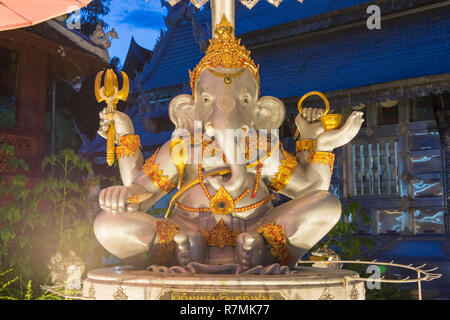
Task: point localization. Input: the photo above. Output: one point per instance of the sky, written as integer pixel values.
(138, 18)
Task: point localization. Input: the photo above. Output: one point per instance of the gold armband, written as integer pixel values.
(304, 145)
(128, 145)
(157, 176)
(284, 173)
(275, 237)
(166, 232)
(326, 158)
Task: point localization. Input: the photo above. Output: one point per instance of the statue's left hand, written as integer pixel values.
(329, 140)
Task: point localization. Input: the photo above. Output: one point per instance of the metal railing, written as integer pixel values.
(422, 275)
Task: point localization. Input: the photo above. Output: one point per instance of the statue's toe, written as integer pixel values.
(248, 250)
(183, 248)
(190, 247)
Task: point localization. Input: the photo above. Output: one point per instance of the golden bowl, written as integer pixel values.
(331, 121)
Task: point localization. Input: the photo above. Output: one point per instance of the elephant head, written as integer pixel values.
(221, 106)
(225, 99)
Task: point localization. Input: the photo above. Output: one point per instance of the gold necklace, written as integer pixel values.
(216, 173)
(221, 203)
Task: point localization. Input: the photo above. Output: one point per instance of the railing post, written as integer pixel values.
(419, 286)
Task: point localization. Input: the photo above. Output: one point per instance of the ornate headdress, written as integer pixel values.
(224, 51)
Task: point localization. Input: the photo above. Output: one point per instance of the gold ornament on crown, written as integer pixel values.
(224, 51)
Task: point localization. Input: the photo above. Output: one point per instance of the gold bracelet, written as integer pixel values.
(157, 176)
(275, 237)
(321, 157)
(284, 173)
(305, 145)
(128, 145)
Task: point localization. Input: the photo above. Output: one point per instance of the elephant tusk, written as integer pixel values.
(209, 129)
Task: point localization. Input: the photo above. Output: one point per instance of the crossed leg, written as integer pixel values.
(305, 220)
(126, 235)
(131, 234)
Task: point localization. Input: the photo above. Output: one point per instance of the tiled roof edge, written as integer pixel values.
(330, 19)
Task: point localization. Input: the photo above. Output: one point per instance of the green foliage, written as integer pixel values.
(92, 13)
(9, 293)
(65, 133)
(5, 293)
(344, 235)
(15, 220)
(38, 221)
(68, 195)
(12, 161)
(389, 291)
(344, 239)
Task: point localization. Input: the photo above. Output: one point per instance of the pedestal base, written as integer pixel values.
(304, 283)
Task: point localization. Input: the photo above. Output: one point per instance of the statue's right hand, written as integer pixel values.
(114, 200)
(122, 124)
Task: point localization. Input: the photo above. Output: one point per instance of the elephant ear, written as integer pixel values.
(181, 112)
(270, 113)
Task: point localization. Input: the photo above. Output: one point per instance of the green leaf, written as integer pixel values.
(5, 235)
(23, 241)
(29, 294)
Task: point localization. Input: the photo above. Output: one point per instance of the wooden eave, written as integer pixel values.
(65, 61)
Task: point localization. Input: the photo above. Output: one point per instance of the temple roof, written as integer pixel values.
(317, 45)
(57, 31)
(137, 57)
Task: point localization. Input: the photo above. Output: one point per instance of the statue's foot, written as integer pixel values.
(249, 250)
(191, 247)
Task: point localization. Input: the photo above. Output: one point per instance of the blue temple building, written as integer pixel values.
(398, 166)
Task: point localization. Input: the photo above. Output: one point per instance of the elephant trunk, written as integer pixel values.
(236, 183)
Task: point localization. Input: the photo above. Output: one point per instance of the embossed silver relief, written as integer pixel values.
(327, 294)
(119, 294)
(92, 292)
(354, 294)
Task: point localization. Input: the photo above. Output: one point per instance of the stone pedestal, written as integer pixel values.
(304, 283)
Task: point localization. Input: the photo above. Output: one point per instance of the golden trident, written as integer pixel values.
(111, 94)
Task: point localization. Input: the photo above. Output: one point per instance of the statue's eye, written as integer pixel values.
(205, 99)
(246, 100)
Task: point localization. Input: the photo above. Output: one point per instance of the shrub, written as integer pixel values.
(36, 222)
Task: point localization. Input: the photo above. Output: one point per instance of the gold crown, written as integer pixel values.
(224, 51)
